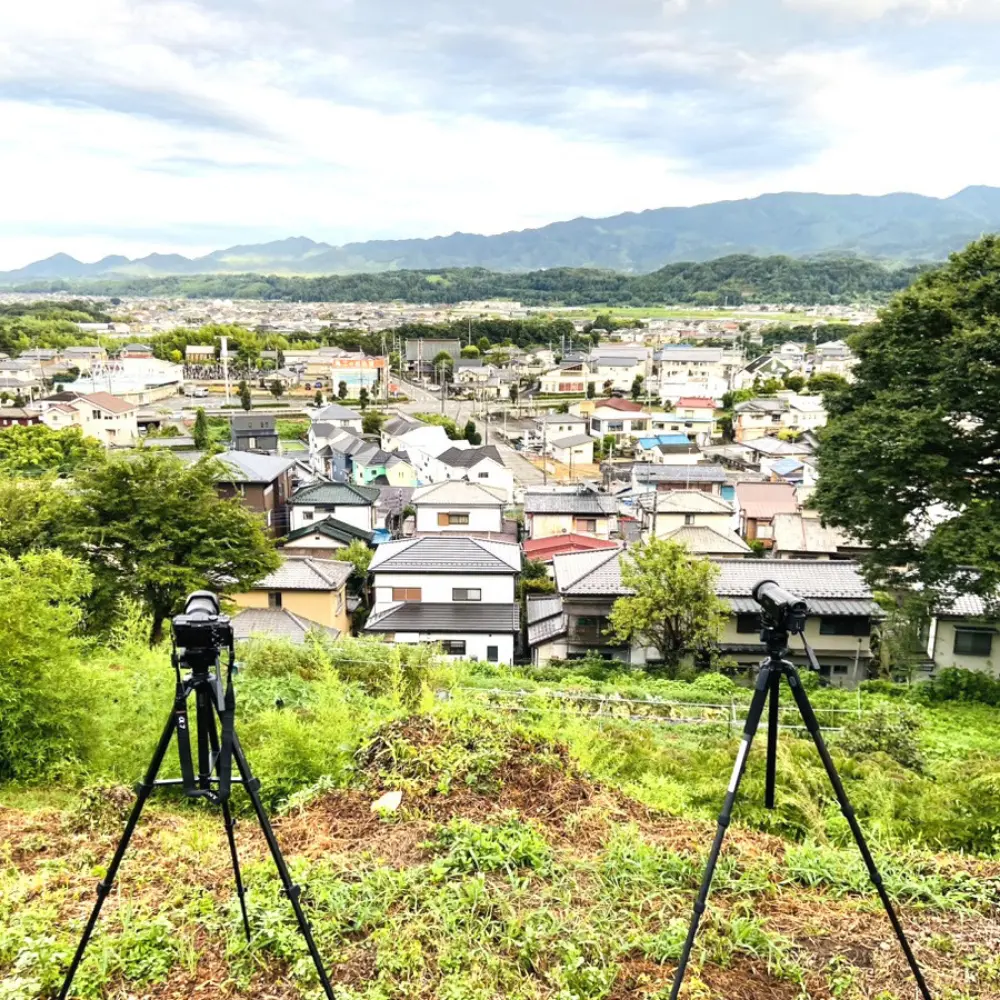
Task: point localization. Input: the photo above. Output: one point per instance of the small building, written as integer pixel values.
(620, 418)
(570, 510)
(577, 449)
(254, 432)
(483, 465)
(312, 589)
(667, 449)
(264, 483)
(546, 549)
(757, 504)
(277, 623)
(335, 417)
(136, 351)
(703, 522)
(354, 505)
(199, 354)
(667, 477)
(459, 508)
(323, 539)
(16, 416)
(802, 535)
(963, 632)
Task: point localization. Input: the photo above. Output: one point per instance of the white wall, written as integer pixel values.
(360, 516)
(475, 643)
(480, 518)
(436, 588)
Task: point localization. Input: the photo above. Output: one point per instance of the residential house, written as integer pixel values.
(550, 426)
(705, 523)
(802, 535)
(332, 456)
(459, 508)
(681, 363)
(765, 368)
(963, 633)
(108, 419)
(393, 430)
(199, 354)
(573, 623)
(834, 358)
(757, 418)
(354, 505)
(576, 449)
(693, 416)
(276, 623)
(17, 416)
(399, 470)
(616, 373)
(142, 351)
(336, 417)
(712, 387)
(368, 464)
(756, 507)
(667, 449)
(263, 482)
(546, 549)
(322, 539)
(420, 354)
(569, 511)
(621, 418)
(805, 413)
(312, 589)
(707, 478)
(841, 612)
(483, 465)
(459, 592)
(422, 445)
(254, 432)
(569, 379)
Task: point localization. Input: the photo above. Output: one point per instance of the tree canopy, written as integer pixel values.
(37, 449)
(673, 608)
(908, 461)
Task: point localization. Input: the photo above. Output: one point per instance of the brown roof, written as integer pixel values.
(619, 404)
(108, 402)
(764, 500)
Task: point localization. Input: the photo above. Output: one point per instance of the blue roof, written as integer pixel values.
(786, 465)
(652, 442)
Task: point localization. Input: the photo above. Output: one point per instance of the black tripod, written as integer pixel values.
(212, 782)
(790, 617)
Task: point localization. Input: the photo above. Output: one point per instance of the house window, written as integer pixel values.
(454, 647)
(585, 524)
(465, 594)
(844, 625)
(840, 668)
(453, 518)
(307, 515)
(406, 593)
(972, 643)
(340, 602)
(748, 622)
(493, 654)
(483, 475)
(95, 414)
(274, 599)
(616, 425)
(689, 518)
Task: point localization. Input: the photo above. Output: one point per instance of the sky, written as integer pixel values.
(138, 126)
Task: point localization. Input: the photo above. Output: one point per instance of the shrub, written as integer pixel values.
(954, 684)
(887, 729)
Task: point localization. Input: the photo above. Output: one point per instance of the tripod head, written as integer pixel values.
(782, 613)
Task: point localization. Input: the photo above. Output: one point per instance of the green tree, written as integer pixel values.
(637, 386)
(277, 388)
(916, 431)
(484, 345)
(444, 366)
(33, 513)
(19, 400)
(341, 390)
(318, 398)
(826, 382)
(673, 607)
(470, 352)
(200, 432)
(372, 421)
(794, 382)
(363, 398)
(513, 392)
(45, 701)
(471, 434)
(156, 528)
(245, 400)
(33, 450)
(591, 390)
(359, 556)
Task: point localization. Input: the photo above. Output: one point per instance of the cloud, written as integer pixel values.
(925, 9)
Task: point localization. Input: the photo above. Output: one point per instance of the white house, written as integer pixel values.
(459, 507)
(703, 522)
(550, 426)
(99, 415)
(568, 379)
(621, 418)
(353, 505)
(483, 465)
(422, 445)
(459, 592)
(681, 363)
(576, 449)
(340, 417)
(574, 510)
(805, 413)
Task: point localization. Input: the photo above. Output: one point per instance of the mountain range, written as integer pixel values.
(894, 227)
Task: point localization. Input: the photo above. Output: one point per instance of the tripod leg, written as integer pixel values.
(760, 695)
(227, 816)
(773, 718)
(293, 892)
(812, 724)
(104, 887)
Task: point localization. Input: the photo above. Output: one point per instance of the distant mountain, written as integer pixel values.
(895, 227)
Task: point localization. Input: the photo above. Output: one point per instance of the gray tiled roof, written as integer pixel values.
(334, 529)
(707, 541)
(540, 608)
(334, 411)
(460, 492)
(572, 441)
(596, 572)
(304, 573)
(437, 554)
(559, 418)
(685, 502)
(644, 472)
(415, 616)
(537, 502)
(276, 623)
(465, 458)
(249, 467)
(808, 578)
(336, 495)
(547, 628)
(817, 606)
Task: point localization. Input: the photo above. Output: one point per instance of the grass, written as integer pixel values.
(542, 856)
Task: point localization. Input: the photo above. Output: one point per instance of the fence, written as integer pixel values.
(731, 714)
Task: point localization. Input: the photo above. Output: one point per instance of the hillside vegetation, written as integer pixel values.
(732, 281)
(543, 855)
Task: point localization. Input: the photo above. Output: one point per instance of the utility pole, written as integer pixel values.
(442, 385)
(385, 372)
(225, 365)
(545, 448)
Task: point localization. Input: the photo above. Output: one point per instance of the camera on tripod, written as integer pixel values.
(201, 631)
(780, 608)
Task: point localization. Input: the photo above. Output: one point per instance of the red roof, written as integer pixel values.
(764, 500)
(695, 401)
(619, 404)
(545, 548)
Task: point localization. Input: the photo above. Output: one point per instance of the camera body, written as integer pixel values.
(202, 630)
(780, 608)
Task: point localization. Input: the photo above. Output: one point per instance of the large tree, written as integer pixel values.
(673, 608)
(908, 461)
(31, 451)
(34, 513)
(155, 527)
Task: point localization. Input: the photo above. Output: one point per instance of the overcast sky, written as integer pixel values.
(128, 126)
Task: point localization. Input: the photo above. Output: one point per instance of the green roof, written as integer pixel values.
(336, 495)
(330, 527)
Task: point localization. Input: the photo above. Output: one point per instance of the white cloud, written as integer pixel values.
(929, 9)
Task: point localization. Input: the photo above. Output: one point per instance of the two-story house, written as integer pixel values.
(963, 633)
(264, 484)
(550, 426)
(703, 522)
(681, 363)
(756, 507)
(483, 465)
(568, 379)
(569, 511)
(621, 418)
(313, 591)
(338, 417)
(803, 535)
(706, 478)
(107, 418)
(757, 418)
(667, 449)
(458, 592)
(692, 416)
(354, 505)
(459, 508)
(254, 432)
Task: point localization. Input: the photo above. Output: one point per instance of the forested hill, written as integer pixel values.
(727, 281)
